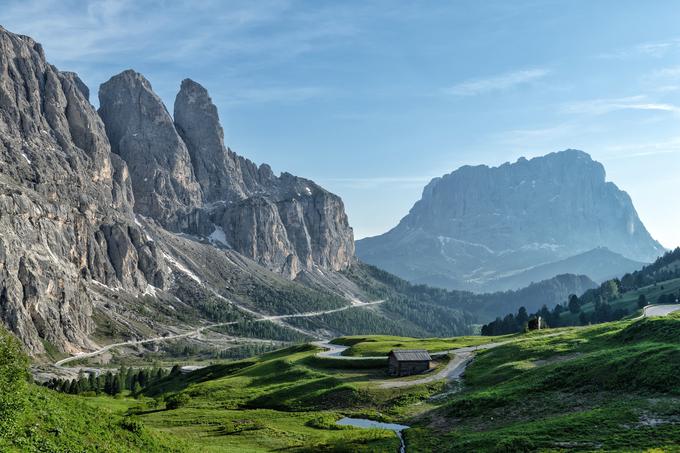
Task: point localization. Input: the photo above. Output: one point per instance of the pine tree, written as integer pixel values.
(122, 377)
(92, 381)
(108, 383)
(574, 304)
(115, 385)
(522, 316)
(642, 301)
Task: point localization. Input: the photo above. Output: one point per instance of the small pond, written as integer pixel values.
(366, 423)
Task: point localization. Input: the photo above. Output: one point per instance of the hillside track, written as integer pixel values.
(198, 330)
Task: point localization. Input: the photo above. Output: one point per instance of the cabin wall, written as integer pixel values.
(397, 368)
(393, 366)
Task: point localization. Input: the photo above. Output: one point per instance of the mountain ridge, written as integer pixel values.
(479, 224)
(188, 180)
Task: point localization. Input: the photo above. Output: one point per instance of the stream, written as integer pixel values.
(366, 423)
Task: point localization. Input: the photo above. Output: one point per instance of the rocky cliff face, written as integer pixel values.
(65, 204)
(72, 179)
(479, 225)
(218, 171)
(286, 223)
(142, 132)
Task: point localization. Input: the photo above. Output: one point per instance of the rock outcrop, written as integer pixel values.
(478, 226)
(286, 223)
(142, 132)
(65, 204)
(72, 181)
(218, 170)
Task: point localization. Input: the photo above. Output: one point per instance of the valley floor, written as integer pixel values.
(609, 387)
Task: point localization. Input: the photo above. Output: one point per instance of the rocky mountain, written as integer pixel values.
(494, 228)
(185, 178)
(126, 224)
(143, 134)
(65, 204)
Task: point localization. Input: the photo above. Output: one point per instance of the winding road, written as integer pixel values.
(660, 310)
(453, 370)
(460, 358)
(198, 330)
(353, 303)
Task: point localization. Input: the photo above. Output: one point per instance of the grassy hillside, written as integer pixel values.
(629, 299)
(35, 419)
(285, 400)
(381, 345)
(610, 387)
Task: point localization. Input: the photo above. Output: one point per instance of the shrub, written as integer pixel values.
(177, 400)
(514, 444)
(133, 425)
(325, 421)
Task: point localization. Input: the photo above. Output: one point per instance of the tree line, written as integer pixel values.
(665, 268)
(110, 383)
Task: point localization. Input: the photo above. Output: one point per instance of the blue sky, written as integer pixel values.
(372, 99)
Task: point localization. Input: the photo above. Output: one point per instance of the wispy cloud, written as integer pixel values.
(496, 83)
(536, 136)
(603, 106)
(663, 80)
(170, 32)
(540, 132)
(646, 149)
(657, 49)
(672, 72)
(229, 45)
(73, 31)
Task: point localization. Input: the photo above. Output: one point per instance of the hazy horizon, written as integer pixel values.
(320, 89)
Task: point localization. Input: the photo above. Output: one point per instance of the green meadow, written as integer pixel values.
(381, 345)
(611, 387)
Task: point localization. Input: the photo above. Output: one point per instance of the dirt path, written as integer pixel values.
(660, 310)
(460, 359)
(332, 350)
(198, 330)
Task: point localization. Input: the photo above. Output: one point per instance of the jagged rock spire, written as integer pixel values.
(142, 132)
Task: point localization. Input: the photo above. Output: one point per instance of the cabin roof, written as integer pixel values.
(411, 355)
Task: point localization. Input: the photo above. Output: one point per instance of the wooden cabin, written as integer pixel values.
(405, 362)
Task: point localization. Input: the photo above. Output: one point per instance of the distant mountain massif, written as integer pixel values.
(496, 228)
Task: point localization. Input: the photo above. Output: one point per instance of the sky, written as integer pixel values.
(372, 99)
